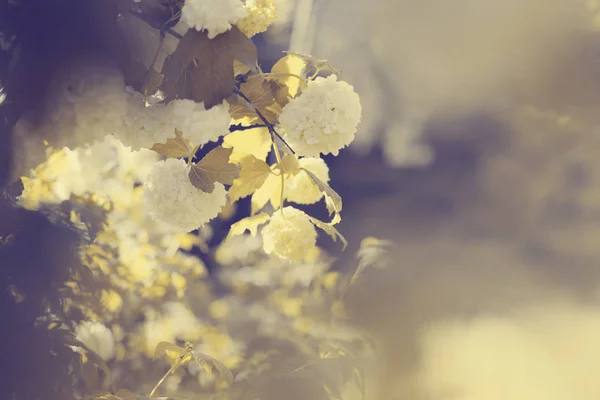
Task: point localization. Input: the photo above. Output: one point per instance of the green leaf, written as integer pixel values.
(174, 147)
(201, 69)
(214, 167)
(333, 201)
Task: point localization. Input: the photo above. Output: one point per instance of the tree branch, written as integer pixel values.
(269, 125)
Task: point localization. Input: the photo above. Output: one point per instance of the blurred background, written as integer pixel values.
(477, 157)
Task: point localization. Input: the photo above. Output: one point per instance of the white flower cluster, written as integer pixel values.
(106, 169)
(176, 321)
(97, 338)
(289, 234)
(261, 14)
(299, 188)
(173, 200)
(215, 16)
(92, 102)
(155, 124)
(323, 118)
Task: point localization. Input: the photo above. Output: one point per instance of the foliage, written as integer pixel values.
(256, 320)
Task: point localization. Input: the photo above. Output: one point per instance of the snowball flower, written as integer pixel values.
(97, 338)
(291, 236)
(299, 188)
(196, 122)
(261, 14)
(216, 16)
(173, 200)
(323, 119)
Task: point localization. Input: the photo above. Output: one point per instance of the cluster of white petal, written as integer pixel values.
(105, 168)
(214, 16)
(289, 234)
(323, 118)
(175, 321)
(91, 102)
(173, 200)
(155, 124)
(299, 188)
(261, 14)
(97, 338)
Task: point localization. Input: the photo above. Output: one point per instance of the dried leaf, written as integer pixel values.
(332, 199)
(174, 147)
(201, 69)
(214, 167)
(253, 174)
(259, 91)
(256, 142)
(249, 223)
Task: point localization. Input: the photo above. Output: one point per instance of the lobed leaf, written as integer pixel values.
(329, 229)
(283, 73)
(174, 147)
(208, 363)
(260, 93)
(201, 69)
(256, 142)
(333, 201)
(253, 174)
(249, 223)
(214, 167)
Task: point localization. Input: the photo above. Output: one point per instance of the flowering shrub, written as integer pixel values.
(162, 162)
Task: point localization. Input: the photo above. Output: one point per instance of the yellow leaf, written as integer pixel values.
(289, 164)
(284, 71)
(164, 348)
(249, 223)
(208, 363)
(269, 191)
(240, 68)
(214, 167)
(256, 142)
(329, 229)
(174, 147)
(333, 201)
(373, 252)
(260, 93)
(253, 174)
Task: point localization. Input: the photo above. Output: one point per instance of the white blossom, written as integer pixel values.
(215, 16)
(173, 200)
(261, 14)
(97, 338)
(291, 236)
(299, 188)
(323, 118)
(157, 123)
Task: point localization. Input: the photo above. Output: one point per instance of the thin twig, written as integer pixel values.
(269, 125)
(240, 127)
